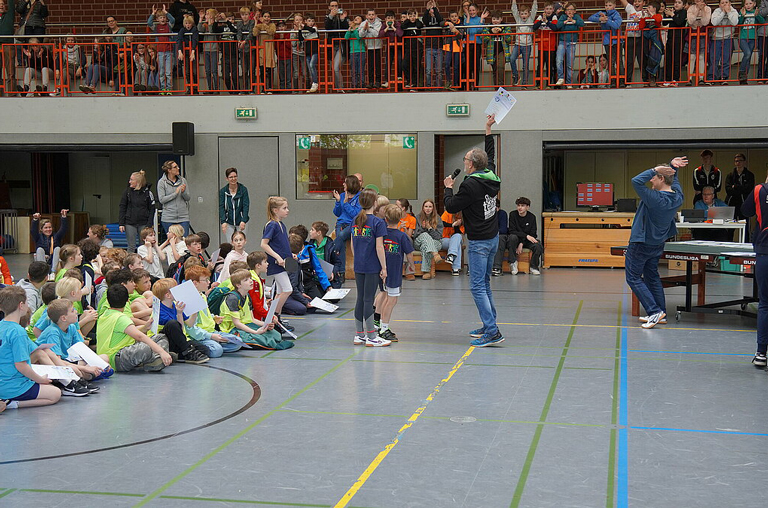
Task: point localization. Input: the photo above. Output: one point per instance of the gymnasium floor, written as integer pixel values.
(578, 407)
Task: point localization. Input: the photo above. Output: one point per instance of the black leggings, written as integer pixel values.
(366, 291)
(177, 340)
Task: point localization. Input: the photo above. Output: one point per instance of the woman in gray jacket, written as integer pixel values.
(173, 195)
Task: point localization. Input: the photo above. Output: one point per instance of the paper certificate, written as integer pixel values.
(155, 314)
(327, 268)
(501, 103)
(55, 372)
(188, 293)
(323, 305)
(336, 294)
(271, 312)
(87, 355)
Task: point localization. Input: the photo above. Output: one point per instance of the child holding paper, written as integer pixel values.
(20, 386)
(170, 324)
(237, 317)
(203, 327)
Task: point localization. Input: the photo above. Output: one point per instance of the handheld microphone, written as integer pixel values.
(456, 173)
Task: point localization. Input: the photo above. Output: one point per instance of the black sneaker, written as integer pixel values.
(496, 272)
(377, 323)
(760, 360)
(388, 335)
(285, 324)
(450, 258)
(192, 355)
(92, 388)
(455, 273)
(73, 389)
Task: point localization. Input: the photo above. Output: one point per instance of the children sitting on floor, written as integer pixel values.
(170, 324)
(203, 327)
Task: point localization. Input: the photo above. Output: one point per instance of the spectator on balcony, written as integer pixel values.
(308, 36)
(370, 30)
(497, 41)
(113, 30)
(547, 23)
(244, 39)
(356, 53)
(588, 75)
(32, 15)
(747, 36)
(677, 36)
(649, 26)
(603, 73)
(610, 23)
(335, 20)
(474, 23)
(634, 48)
(7, 14)
(39, 66)
(179, 9)
(392, 32)
(187, 42)
(523, 41)
(569, 26)
(413, 48)
(298, 56)
(209, 35)
(433, 45)
(762, 44)
(141, 63)
(699, 15)
(724, 19)
(73, 60)
(264, 32)
(453, 46)
(228, 47)
(153, 82)
(161, 21)
(283, 50)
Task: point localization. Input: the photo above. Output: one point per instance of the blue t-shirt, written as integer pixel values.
(364, 244)
(278, 240)
(396, 246)
(43, 322)
(15, 347)
(168, 314)
(60, 339)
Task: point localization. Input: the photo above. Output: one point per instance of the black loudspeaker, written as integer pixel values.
(183, 138)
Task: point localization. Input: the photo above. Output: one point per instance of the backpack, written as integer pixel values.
(215, 297)
(175, 270)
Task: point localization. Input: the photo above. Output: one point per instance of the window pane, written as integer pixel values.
(387, 162)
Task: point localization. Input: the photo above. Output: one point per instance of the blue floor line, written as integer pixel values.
(734, 432)
(622, 494)
(688, 353)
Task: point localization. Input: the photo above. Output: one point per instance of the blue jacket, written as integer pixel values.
(503, 224)
(310, 265)
(346, 212)
(655, 217)
(613, 24)
(48, 243)
(569, 33)
(750, 208)
(701, 205)
(473, 33)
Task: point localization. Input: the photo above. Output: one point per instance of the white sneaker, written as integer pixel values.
(513, 268)
(560, 82)
(313, 88)
(358, 340)
(654, 319)
(644, 319)
(534, 271)
(377, 342)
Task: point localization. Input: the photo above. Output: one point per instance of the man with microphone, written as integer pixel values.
(476, 200)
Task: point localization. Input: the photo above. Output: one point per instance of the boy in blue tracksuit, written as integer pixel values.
(757, 204)
(316, 282)
(610, 21)
(653, 224)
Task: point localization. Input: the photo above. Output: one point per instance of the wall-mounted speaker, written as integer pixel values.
(183, 138)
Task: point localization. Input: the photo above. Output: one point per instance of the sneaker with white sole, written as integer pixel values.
(313, 88)
(358, 340)
(73, 389)
(513, 268)
(534, 271)
(377, 342)
(760, 360)
(560, 82)
(654, 319)
(389, 335)
(477, 333)
(644, 319)
(488, 340)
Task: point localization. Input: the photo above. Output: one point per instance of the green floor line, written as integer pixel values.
(325, 322)
(338, 413)
(246, 501)
(518, 495)
(585, 368)
(611, 484)
(243, 432)
(466, 364)
(9, 491)
(303, 358)
(87, 492)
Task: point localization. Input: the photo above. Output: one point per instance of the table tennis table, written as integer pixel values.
(703, 252)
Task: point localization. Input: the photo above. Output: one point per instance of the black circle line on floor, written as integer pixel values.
(254, 398)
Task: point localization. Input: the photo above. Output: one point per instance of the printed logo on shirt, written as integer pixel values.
(489, 207)
(365, 231)
(391, 247)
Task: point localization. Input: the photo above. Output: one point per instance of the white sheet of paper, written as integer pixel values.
(271, 312)
(191, 297)
(55, 372)
(327, 268)
(336, 294)
(501, 104)
(86, 354)
(323, 305)
(215, 256)
(155, 314)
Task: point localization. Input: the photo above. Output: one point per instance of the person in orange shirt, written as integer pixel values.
(453, 235)
(5, 272)
(407, 225)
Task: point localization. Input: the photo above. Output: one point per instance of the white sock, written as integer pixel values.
(14, 404)
(384, 327)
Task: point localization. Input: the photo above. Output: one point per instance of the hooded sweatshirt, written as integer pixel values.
(476, 199)
(757, 204)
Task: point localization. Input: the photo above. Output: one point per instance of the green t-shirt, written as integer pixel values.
(110, 334)
(103, 306)
(35, 317)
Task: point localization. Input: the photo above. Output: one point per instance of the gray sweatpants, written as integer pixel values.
(138, 354)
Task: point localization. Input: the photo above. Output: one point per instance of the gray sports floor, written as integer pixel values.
(578, 407)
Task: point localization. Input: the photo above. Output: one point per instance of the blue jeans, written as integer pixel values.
(525, 52)
(212, 69)
(747, 48)
(562, 48)
(343, 234)
(357, 63)
(434, 63)
(761, 277)
(453, 246)
(452, 63)
(184, 224)
(95, 74)
(481, 254)
(165, 69)
(719, 67)
(312, 64)
(641, 267)
(216, 349)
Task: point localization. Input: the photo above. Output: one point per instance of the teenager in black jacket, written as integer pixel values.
(137, 207)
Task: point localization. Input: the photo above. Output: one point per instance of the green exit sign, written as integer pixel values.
(245, 113)
(457, 109)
